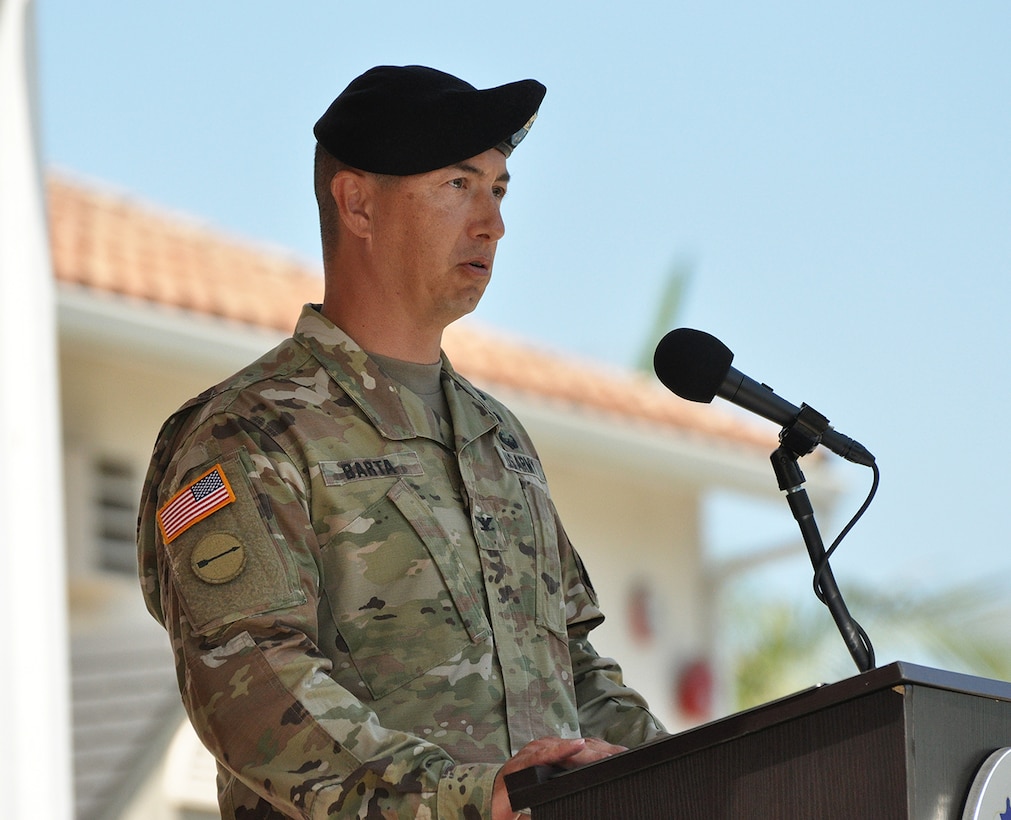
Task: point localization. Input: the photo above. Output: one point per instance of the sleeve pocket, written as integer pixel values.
(231, 565)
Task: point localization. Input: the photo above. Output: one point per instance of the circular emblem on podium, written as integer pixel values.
(990, 795)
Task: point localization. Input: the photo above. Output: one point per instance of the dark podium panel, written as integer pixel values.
(901, 741)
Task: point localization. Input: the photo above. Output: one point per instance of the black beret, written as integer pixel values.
(411, 119)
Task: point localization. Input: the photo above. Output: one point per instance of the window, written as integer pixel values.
(116, 496)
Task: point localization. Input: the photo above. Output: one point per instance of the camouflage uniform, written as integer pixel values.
(370, 610)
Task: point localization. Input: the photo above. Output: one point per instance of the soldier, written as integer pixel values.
(374, 609)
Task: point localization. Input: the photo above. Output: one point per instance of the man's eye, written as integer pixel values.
(459, 182)
(499, 192)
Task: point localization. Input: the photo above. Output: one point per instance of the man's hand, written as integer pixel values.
(547, 751)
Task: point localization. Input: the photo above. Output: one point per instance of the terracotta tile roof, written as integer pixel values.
(112, 243)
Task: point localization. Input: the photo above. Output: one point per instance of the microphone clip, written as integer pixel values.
(804, 433)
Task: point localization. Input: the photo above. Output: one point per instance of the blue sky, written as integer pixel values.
(837, 178)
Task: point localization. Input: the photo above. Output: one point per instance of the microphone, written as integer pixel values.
(696, 366)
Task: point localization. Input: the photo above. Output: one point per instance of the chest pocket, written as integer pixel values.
(515, 506)
(398, 592)
(550, 606)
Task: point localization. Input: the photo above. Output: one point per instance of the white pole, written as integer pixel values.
(35, 750)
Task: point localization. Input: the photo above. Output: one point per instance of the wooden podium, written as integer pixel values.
(901, 741)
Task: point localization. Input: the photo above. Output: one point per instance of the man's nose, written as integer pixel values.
(489, 223)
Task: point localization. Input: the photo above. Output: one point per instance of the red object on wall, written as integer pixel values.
(641, 618)
(694, 694)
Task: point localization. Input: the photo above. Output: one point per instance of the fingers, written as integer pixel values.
(548, 751)
(556, 751)
(545, 751)
(595, 749)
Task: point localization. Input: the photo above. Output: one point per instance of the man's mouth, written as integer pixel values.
(480, 264)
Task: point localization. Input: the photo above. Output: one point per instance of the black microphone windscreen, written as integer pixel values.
(692, 364)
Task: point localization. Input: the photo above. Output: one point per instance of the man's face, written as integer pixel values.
(434, 236)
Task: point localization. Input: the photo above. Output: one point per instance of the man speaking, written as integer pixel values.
(374, 608)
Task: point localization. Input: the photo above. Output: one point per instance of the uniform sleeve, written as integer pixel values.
(237, 583)
(607, 708)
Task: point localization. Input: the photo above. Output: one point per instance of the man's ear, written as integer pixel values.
(352, 191)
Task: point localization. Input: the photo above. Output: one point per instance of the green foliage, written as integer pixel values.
(667, 311)
(781, 647)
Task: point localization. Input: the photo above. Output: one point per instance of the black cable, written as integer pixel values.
(823, 565)
(846, 530)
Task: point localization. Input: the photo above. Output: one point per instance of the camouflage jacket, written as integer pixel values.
(370, 610)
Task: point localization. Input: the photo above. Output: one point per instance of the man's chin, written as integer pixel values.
(465, 305)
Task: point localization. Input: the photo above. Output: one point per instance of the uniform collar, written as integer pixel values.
(392, 413)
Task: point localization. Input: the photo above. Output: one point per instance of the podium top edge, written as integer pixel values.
(529, 786)
(902, 672)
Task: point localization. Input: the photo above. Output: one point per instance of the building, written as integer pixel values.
(153, 307)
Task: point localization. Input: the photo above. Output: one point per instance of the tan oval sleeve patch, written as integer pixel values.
(218, 558)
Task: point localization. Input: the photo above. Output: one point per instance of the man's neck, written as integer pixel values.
(396, 337)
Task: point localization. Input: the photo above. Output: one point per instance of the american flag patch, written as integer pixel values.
(194, 503)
